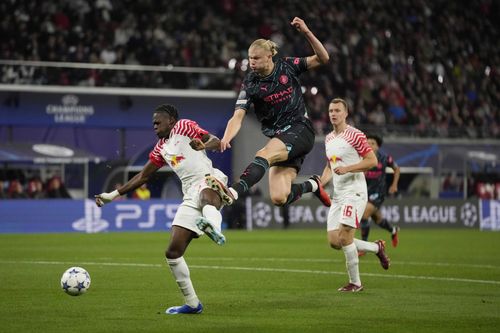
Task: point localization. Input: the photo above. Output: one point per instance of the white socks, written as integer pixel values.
(365, 246)
(213, 215)
(180, 271)
(352, 263)
(234, 193)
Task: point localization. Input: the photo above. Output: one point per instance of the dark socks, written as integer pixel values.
(252, 175)
(386, 225)
(365, 229)
(297, 191)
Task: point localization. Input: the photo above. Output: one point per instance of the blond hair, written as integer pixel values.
(267, 45)
(341, 101)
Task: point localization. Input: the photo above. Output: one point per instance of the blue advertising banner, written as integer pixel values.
(490, 215)
(40, 216)
(53, 216)
(115, 111)
(407, 213)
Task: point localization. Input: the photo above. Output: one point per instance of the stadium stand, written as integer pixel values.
(419, 68)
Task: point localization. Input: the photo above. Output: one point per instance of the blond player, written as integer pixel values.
(181, 146)
(348, 155)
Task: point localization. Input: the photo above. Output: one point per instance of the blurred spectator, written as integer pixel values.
(3, 194)
(452, 183)
(35, 188)
(16, 191)
(56, 189)
(142, 193)
(420, 186)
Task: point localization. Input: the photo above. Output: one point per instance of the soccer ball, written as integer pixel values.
(75, 281)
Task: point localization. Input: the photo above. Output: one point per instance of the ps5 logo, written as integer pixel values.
(126, 216)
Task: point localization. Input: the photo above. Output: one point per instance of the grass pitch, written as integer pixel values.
(262, 281)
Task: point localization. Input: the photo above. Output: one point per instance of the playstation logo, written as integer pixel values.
(91, 222)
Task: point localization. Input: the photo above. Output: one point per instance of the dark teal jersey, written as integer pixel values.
(277, 98)
(376, 176)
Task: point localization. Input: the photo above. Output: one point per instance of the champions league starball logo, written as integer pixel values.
(468, 214)
(261, 214)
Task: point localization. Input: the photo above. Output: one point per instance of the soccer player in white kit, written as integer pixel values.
(181, 146)
(348, 155)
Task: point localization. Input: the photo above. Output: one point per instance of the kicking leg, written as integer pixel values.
(211, 219)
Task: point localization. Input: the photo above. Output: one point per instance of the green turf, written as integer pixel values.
(265, 281)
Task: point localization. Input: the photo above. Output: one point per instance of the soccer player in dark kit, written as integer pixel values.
(377, 189)
(275, 91)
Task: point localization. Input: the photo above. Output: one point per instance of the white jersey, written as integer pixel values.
(343, 149)
(190, 165)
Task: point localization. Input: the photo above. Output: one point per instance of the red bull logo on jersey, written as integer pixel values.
(175, 160)
(335, 158)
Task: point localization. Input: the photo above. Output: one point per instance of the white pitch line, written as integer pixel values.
(258, 269)
(320, 260)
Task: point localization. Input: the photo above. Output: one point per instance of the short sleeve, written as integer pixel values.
(244, 101)
(155, 155)
(189, 128)
(361, 145)
(298, 65)
(391, 162)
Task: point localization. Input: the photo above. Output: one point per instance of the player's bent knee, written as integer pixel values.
(345, 241)
(210, 197)
(278, 200)
(335, 246)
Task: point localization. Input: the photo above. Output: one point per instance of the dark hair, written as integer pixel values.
(168, 109)
(377, 138)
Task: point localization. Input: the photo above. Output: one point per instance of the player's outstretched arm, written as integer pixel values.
(320, 56)
(208, 141)
(132, 184)
(232, 128)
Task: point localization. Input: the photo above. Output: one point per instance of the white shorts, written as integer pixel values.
(186, 218)
(190, 207)
(347, 211)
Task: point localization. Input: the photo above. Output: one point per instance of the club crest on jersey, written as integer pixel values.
(283, 79)
(335, 158)
(175, 160)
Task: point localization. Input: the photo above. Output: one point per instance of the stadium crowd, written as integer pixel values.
(421, 67)
(14, 184)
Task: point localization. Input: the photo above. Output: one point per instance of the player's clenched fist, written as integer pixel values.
(299, 24)
(224, 145)
(104, 198)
